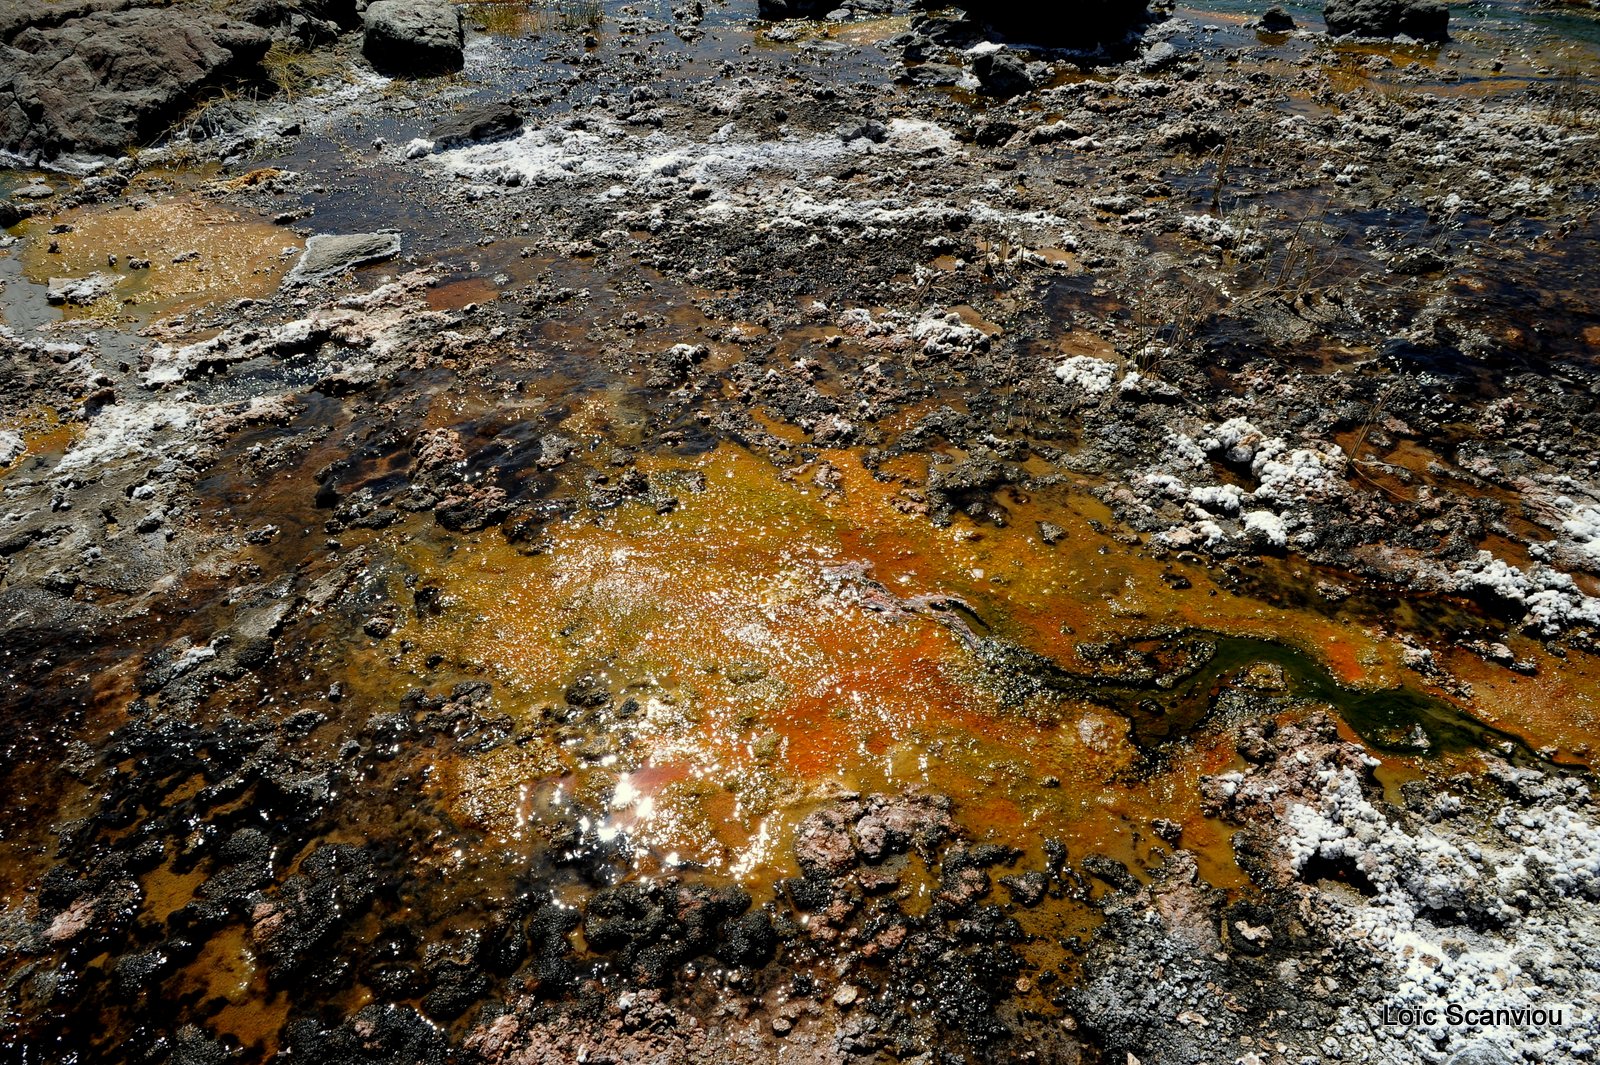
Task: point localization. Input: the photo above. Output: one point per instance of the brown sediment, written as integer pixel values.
(199, 253)
(44, 436)
(226, 983)
(1558, 706)
(454, 295)
(166, 891)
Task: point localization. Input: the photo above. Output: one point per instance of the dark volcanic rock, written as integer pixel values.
(1277, 20)
(1426, 20)
(654, 928)
(413, 36)
(1082, 25)
(478, 122)
(44, 14)
(293, 928)
(110, 79)
(456, 986)
(782, 9)
(306, 24)
(1001, 74)
(385, 1034)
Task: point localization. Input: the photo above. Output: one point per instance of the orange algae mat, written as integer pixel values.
(789, 634)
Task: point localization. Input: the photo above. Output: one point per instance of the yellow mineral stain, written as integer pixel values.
(43, 434)
(770, 631)
(199, 254)
(225, 976)
(166, 891)
(1558, 707)
(486, 790)
(865, 32)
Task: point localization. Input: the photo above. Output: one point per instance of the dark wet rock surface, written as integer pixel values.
(1276, 19)
(474, 123)
(1425, 20)
(113, 76)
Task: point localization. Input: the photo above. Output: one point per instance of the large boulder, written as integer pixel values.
(1426, 20)
(45, 14)
(1001, 74)
(1276, 20)
(1084, 24)
(105, 80)
(782, 9)
(303, 23)
(413, 36)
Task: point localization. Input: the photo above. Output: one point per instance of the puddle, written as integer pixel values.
(165, 256)
(454, 295)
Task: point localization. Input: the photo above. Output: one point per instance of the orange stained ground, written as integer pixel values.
(454, 295)
(199, 253)
(770, 674)
(43, 433)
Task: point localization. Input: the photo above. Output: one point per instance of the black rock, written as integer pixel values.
(588, 692)
(1111, 872)
(810, 893)
(1277, 20)
(413, 36)
(1001, 74)
(657, 927)
(991, 133)
(456, 986)
(547, 937)
(380, 1035)
(1426, 20)
(293, 929)
(113, 78)
(871, 130)
(476, 123)
(504, 945)
(137, 972)
(305, 24)
(193, 1046)
(748, 940)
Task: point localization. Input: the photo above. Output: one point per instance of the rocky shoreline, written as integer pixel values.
(855, 539)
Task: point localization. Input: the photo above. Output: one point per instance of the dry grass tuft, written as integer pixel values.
(298, 72)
